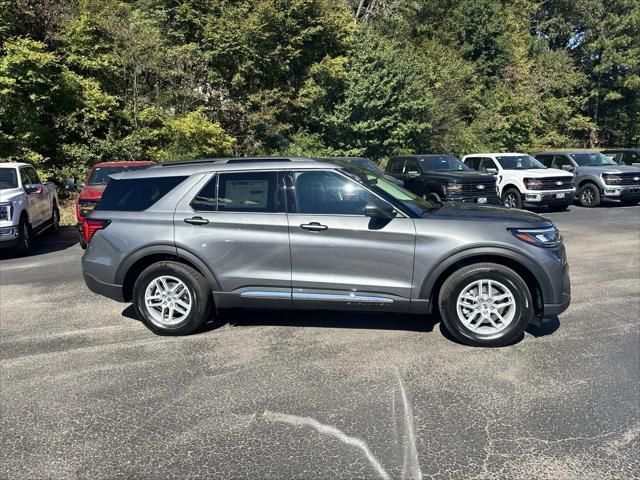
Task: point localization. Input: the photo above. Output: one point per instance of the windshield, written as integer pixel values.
(102, 175)
(8, 178)
(594, 159)
(443, 163)
(368, 165)
(519, 162)
(391, 191)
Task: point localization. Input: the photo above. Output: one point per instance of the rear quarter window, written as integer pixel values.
(136, 194)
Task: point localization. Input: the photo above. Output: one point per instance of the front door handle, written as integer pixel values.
(196, 221)
(313, 227)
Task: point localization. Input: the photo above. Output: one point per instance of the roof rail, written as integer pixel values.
(231, 160)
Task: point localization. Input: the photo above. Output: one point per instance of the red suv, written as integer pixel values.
(94, 185)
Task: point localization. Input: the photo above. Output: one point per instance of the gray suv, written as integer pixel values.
(182, 240)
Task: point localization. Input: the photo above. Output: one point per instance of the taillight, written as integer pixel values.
(91, 225)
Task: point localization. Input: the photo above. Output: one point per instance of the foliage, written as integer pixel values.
(83, 81)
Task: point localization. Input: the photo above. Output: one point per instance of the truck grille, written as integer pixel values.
(628, 178)
(5, 213)
(555, 183)
(479, 189)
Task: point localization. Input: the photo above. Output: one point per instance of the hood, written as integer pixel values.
(611, 169)
(92, 192)
(8, 194)
(546, 172)
(471, 212)
(462, 176)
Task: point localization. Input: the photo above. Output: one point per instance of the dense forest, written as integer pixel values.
(83, 81)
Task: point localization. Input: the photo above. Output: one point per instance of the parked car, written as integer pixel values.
(597, 176)
(443, 177)
(624, 156)
(28, 206)
(184, 239)
(363, 163)
(523, 181)
(94, 185)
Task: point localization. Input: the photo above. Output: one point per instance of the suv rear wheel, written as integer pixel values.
(172, 298)
(485, 304)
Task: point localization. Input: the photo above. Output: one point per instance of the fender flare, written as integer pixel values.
(165, 249)
(510, 254)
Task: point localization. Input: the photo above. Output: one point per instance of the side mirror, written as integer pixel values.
(33, 188)
(568, 168)
(70, 183)
(492, 171)
(413, 174)
(374, 211)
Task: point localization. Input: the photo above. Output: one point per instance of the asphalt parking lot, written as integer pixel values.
(88, 392)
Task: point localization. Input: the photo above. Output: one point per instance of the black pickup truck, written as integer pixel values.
(443, 177)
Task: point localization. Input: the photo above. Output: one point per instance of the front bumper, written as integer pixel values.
(550, 310)
(624, 192)
(486, 200)
(553, 197)
(9, 236)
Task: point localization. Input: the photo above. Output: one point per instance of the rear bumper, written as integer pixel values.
(108, 290)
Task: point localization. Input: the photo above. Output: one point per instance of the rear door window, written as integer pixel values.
(395, 165)
(248, 192)
(411, 165)
(560, 161)
(136, 194)
(486, 163)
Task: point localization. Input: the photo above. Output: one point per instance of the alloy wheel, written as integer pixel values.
(168, 301)
(587, 196)
(486, 307)
(510, 200)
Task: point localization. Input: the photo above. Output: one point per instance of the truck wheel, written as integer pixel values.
(172, 298)
(589, 195)
(485, 304)
(24, 236)
(512, 198)
(432, 197)
(55, 219)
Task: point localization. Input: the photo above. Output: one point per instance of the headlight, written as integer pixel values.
(453, 187)
(532, 183)
(611, 179)
(540, 237)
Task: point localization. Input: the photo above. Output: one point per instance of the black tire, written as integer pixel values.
(589, 195)
(81, 240)
(24, 236)
(55, 219)
(460, 279)
(202, 301)
(511, 198)
(432, 197)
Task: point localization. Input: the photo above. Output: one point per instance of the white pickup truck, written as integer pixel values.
(524, 181)
(27, 206)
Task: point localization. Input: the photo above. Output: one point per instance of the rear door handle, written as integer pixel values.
(196, 221)
(313, 227)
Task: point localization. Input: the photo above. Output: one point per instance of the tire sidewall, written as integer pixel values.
(24, 228)
(522, 297)
(596, 196)
(513, 191)
(199, 308)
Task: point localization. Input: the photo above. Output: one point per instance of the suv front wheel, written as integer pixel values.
(172, 298)
(485, 304)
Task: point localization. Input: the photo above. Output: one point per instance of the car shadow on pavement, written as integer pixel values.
(314, 318)
(45, 243)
